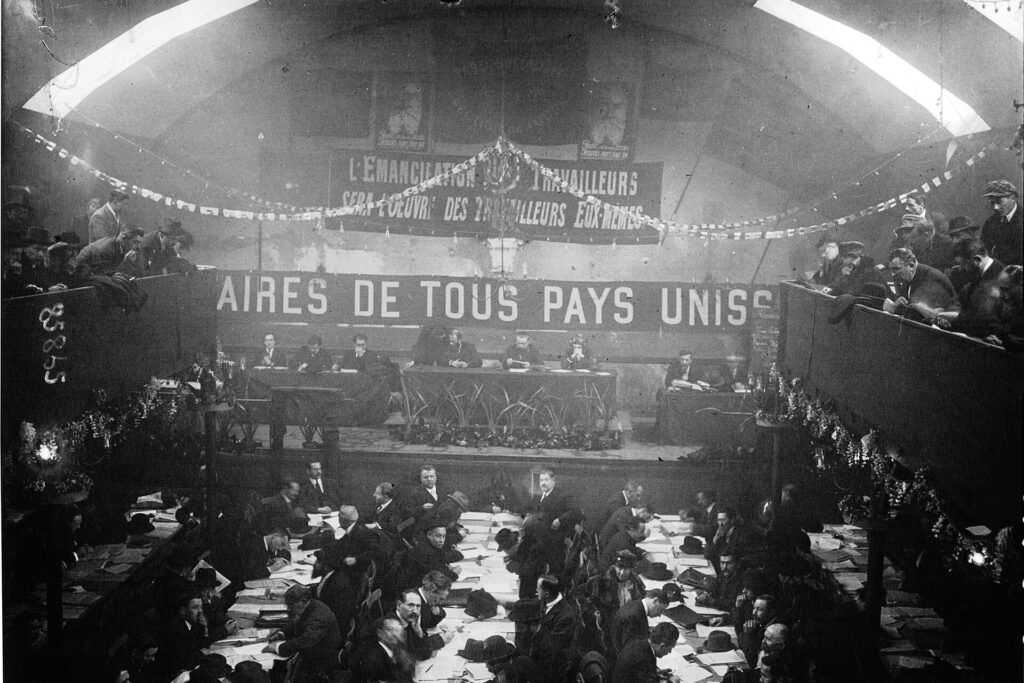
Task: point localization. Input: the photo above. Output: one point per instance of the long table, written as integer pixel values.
(325, 400)
(484, 567)
(702, 417)
(481, 396)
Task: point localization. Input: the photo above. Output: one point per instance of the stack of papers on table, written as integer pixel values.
(273, 584)
(149, 502)
(472, 551)
(444, 665)
(468, 569)
(721, 658)
(243, 652)
(691, 673)
(691, 561)
(475, 516)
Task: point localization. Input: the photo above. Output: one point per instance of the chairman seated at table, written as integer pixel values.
(729, 377)
(360, 357)
(271, 356)
(313, 359)
(578, 356)
(459, 353)
(682, 376)
(521, 354)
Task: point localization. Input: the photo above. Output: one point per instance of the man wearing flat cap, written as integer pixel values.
(858, 270)
(1002, 232)
(108, 220)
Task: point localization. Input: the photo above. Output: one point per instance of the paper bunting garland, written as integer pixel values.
(707, 231)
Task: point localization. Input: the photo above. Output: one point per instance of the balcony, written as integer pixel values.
(951, 402)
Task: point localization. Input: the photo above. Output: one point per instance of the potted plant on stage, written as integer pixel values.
(43, 469)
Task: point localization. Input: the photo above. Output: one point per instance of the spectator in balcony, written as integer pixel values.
(831, 263)
(1003, 233)
(930, 247)
(272, 357)
(57, 273)
(80, 223)
(158, 246)
(578, 356)
(312, 359)
(961, 227)
(522, 354)
(108, 220)
(922, 292)
(914, 203)
(904, 231)
(857, 271)
(1010, 312)
(459, 353)
(106, 255)
(979, 297)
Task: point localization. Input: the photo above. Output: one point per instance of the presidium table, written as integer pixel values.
(324, 401)
(695, 418)
(518, 397)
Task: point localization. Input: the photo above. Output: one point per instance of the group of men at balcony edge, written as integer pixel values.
(968, 280)
(34, 262)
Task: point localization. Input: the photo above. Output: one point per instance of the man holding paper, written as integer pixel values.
(638, 661)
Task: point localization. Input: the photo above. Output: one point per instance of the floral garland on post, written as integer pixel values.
(876, 491)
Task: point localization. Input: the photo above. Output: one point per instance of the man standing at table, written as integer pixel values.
(272, 357)
(317, 494)
(638, 661)
(312, 358)
(312, 633)
(557, 515)
(459, 353)
(384, 658)
(630, 621)
(420, 499)
(522, 354)
(549, 647)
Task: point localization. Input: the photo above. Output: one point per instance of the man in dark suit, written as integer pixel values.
(361, 358)
(418, 642)
(705, 515)
(620, 519)
(360, 544)
(105, 255)
(635, 531)
(271, 356)
(312, 633)
(630, 621)
(433, 591)
(630, 496)
(312, 358)
(317, 494)
(260, 555)
(922, 292)
(387, 515)
(339, 586)
(1003, 232)
(549, 646)
(184, 638)
(977, 314)
(638, 661)
(459, 353)
(418, 500)
(158, 246)
(281, 511)
(522, 354)
(429, 554)
(384, 657)
(557, 514)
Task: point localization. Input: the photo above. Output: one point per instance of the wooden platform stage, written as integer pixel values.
(671, 475)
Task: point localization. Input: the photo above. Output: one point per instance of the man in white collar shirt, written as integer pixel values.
(317, 494)
(554, 634)
(387, 515)
(422, 498)
(1002, 232)
(383, 658)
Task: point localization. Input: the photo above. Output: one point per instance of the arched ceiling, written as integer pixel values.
(785, 105)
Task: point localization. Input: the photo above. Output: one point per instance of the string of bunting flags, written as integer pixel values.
(708, 231)
(729, 231)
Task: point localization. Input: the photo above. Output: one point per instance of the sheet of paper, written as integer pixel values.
(720, 670)
(691, 673)
(150, 499)
(507, 518)
(691, 561)
(332, 522)
(245, 610)
(118, 568)
(274, 584)
(473, 551)
(703, 630)
(476, 516)
(730, 657)
(673, 660)
(844, 565)
(979, 530)
(468, 569)
(825, 542)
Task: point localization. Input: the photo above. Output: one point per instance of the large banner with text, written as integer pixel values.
(466, 302)
(461, 205)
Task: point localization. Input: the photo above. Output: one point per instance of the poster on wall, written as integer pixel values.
(403, 114)
(609, 122)
(254, 298)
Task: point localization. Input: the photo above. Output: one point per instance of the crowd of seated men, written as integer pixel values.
(34, 263)
(966, 279)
